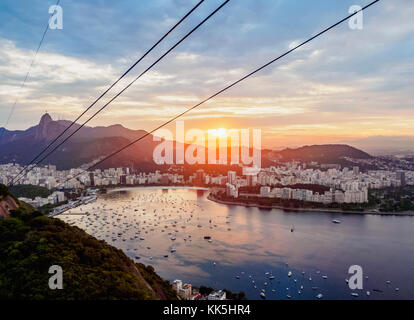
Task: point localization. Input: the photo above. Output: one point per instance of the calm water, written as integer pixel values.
(250, 242)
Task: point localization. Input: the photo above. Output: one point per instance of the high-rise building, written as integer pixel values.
(92, 178)
(231, 177)
(177, 285)
(265, 191)
(355, 169)
(199, 177)
(231, 191)
(251, 180)
(401, 177)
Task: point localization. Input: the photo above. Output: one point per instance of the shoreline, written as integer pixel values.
(261, 206)
(156, 187)
(322, 210)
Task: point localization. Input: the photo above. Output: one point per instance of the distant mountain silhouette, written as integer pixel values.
(323, 154)
(92, 143)
(88, 144)
(384, 145)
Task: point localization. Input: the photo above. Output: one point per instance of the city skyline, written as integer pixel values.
(311, 97)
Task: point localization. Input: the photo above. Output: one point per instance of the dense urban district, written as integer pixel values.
(289, 185)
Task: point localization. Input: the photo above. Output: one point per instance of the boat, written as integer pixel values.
(289, 273)
(325, 277)
(271, 277)
(262, 295)
(336, 221)
(319, 296)
(354, 294)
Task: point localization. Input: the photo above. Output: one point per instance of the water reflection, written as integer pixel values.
(248, 244)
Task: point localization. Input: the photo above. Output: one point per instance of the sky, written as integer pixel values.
(346, 85)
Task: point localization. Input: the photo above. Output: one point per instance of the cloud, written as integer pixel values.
(345, 83)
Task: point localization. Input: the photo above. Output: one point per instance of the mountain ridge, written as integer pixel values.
(87, 145)
(92, 143)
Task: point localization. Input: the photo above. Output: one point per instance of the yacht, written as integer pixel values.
(289, 273)
(336, 221)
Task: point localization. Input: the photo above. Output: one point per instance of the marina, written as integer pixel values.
(254, 250)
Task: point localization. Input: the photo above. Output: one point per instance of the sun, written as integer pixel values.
(218, 133)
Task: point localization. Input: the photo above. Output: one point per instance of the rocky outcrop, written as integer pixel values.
(7, 203)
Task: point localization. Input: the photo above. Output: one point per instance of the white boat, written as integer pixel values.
(319, 296)
(354, 294)
(336, 221)
(262, 295)
(289, 273)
